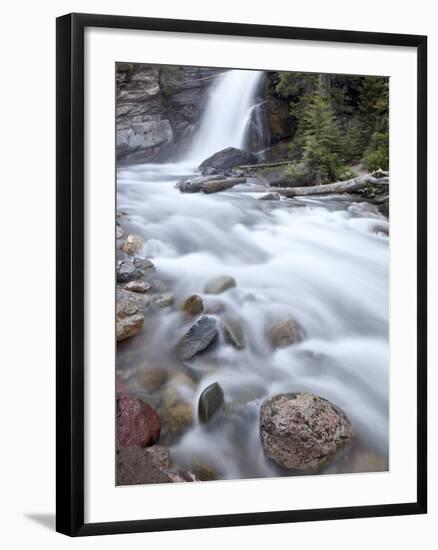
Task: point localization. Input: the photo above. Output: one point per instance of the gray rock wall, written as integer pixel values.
(157, 109)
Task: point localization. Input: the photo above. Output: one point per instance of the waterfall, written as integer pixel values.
(227, 113)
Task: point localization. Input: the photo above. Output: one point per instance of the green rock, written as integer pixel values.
(220, 284)
(193, 305)
(210, 401)
(204, 472)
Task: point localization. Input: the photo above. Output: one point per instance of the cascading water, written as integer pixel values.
(227, 113)
(321, 261)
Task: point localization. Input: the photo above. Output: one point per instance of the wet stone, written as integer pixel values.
(210, 401)
(220, 284)
(200, 336)
(193, 305)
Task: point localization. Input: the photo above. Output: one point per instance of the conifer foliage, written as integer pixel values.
(340, 121)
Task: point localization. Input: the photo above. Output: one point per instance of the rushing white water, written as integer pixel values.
(321, 261)
(227, 113)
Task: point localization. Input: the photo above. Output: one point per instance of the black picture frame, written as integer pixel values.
(70, 273)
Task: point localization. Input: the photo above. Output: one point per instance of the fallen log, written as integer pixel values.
(220, 185)
(348, 186)
(266, 164)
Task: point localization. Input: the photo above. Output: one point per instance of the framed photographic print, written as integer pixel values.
(241, 274)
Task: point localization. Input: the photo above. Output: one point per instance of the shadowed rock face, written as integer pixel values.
(158, 108)
(228, 158)
(302, 431)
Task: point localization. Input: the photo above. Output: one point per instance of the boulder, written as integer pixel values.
(137, 423)
(129, 313)
(302, 431)
(228, 158)
(200, 336)
(137, 466)
(284, 333)
(193, 305)
(137, 286)
(210, 401)
(128, 270)
(132, 245)
(220, 284)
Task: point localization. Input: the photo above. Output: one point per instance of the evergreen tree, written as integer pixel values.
(322, 139)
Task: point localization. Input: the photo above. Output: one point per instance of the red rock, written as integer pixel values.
(137, 423)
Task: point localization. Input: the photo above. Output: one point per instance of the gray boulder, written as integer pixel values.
(228, 158)
(200, 336)
(302, 431)
(128, 270)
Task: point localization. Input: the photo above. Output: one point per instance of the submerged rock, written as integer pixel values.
(220, 284)
(204, 472)
(233, 332)
(132, 245)
(129, 313)
(228, 158)
(210, 401)
(193, 305)
(151, 465)
(177, 410)
(302, 431)
(285, 333)
(163, 300)
(137, 423)
(270, 197)
(151, 380)
(200, 336)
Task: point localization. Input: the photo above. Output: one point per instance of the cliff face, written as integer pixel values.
(158, 108)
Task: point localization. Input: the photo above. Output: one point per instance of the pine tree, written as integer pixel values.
(322, 139)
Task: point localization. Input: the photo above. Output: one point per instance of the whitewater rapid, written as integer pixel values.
(320, 261)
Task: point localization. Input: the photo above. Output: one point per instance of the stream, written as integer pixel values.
(321, 261)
